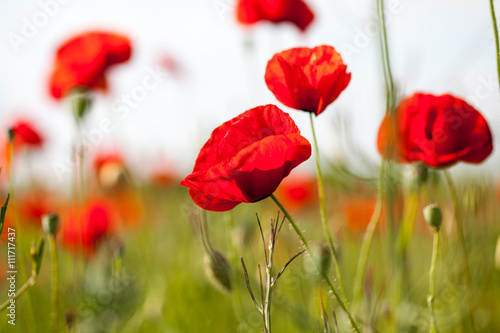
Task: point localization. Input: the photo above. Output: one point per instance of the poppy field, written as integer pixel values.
(249, 166)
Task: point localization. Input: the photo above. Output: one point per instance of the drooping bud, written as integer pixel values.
(218, 270)
(36, 252)
(416, 175)
(321, 257)
(50, 223)
(82, 101)
(433, 215)
(11, 133)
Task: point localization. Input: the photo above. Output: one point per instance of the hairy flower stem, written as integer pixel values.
(463, 250)
(497, 42)
(334, 291)
(366, 245)
(324, 222)
(31, 281)
(432, 271)
(54, 315)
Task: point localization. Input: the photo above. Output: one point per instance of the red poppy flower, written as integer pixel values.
(307, 79)
(85, 235)
(246, 158)
(25, 134)
(298, 192)
(437, 130)
(83, 61)
(109, 169)
(276, 11)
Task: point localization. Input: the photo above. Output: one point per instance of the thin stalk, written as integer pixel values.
(269, 290)
(334, 291)
(31, 281)
(54, 315)
(324, 222)
(432, 271)
(497, 43)
(461, 245)
(367, 242)
(389, 82)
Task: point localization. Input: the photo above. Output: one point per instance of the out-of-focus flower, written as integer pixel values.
(307, 79)
(437, 130)
(109, 168)
(358, 212)
(26, 134)
(298, 191)
(33, 205)
(275, 11)
(82, 61)
(246, 158)
(85, 234)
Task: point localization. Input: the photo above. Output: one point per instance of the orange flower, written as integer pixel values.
(109, 168)
(358, 211)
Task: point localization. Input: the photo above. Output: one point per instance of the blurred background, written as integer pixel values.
(212, 69)
(204, 68)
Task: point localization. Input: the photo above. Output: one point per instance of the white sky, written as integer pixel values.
(435, 46)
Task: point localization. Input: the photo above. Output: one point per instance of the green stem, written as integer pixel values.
(324, 222)
(497, 43)
(31, 281)
(461, 244)
(269, 290)
(335, 293)
(408, 224)
(366, 245)
(389, 83)
(54, 315)
(430, 300)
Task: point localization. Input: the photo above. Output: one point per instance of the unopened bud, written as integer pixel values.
(50, 223)
(11, 133)
(82, 102)
(322, 257)
(433, 215)
(416, 175)
(218, 270)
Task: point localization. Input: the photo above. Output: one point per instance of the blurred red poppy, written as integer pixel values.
(109, 168)
(86, 234)
(307, 79)
(437, 130)
(298, 192)
(25, 134)
(276, 11)
(246, 158)
(82, 61)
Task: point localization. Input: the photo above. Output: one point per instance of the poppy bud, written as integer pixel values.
(81, 104)
(11, 134)
(50, 223)
(416, 175)
(218, 270)
(433, 215)
(321, 256)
